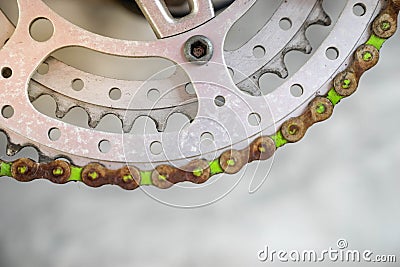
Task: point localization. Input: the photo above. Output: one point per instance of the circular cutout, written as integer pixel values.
(219, 101)
(104, 146)
(43, 69)
(54, 134)
(207, 144)
(6, 72)
(41, 30)
(64, 159)
(207, 136)
(259, 51)
(7, 111)
(77, 84)
(332, 53)
(115, 93)
(231, 72)
(153, 95)
(285, 24)
(296, 90)
(359, 9)
(254, 119)
(156, 148)
(189, 88)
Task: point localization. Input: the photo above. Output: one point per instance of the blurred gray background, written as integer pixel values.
(340, 181)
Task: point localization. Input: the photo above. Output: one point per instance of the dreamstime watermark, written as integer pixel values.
(340, 253)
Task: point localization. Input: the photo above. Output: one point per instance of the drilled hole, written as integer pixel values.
(296, 90)
(254, 119)
(104, 146)
(219, 101)
(54, 134)
(43, 69)
(259, 51)
(359, 9)
(115, 94)
(332, 53)
(153, 95)
(207, 137)
(41, 30)
(156, 148)
(207, 143)
(190, 89)
(6, 72)
(285, 24)
(77, 84)
(7, 111)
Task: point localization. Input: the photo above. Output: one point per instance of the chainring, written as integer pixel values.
(227, 103)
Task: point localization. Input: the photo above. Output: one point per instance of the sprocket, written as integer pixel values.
(217, 87)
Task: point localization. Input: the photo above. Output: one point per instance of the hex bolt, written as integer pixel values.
(198, 49)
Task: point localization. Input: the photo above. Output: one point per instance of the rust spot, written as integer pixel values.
(127, 178)
(385, 25)
(366, 57)
(321, 109)
(197, 171)
(396, 4)
(164, 176)
(262, 148)
(94, 175)
(345, 83)
(294, 129)
(24, 170)
(56, 171)
(232, 161)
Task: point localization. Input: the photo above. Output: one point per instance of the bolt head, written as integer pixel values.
(198, 49)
